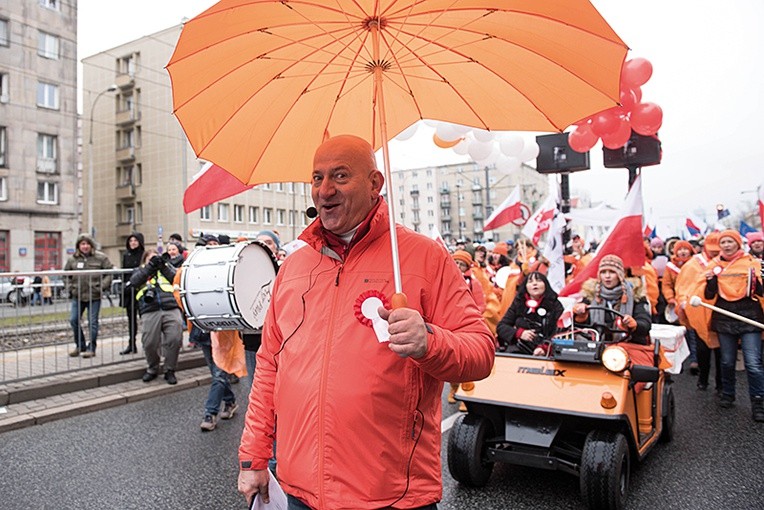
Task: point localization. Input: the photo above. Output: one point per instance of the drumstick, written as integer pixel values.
(696, 301)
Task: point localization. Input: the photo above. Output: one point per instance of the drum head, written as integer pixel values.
(502, 275)
(252, 282)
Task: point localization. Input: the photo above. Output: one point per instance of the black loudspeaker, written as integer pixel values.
(638, 151)
(556, 156)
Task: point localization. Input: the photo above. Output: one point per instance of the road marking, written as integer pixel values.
(446, 424)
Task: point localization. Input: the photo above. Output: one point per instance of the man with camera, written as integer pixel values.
(162, 321)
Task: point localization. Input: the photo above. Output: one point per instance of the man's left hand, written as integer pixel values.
(408, 334)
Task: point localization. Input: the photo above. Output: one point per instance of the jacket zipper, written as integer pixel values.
(322, 398)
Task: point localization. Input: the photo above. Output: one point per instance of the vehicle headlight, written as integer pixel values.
(615, 358)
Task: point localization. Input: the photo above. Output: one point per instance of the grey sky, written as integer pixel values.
(707, 78)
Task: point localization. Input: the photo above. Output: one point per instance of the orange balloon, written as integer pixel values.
(444, 144)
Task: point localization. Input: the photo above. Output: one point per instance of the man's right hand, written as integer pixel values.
(254, 482)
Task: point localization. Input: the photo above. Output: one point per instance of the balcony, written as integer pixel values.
(125, 80)
(124, 229)
(126, 192)
(126, 154)
(445, 204)
(414, 193)
(46, 165)
(477, 215)
(126, 117)
(444, 190)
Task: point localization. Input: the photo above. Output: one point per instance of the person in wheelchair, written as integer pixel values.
(531, 319)
(611, 289)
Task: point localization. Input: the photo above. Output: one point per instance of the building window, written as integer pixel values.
(238, 214)
(267, 215)
(50, 4)
(46, 153)
(4, 39)
(205, 213)
(129, 175)
(3, 146)
(222, 212)
(292, 215)
(47, 95)
(126, 65)
(5, 88)
(47, 192)
(279, 186)
(280, 216)
(253, 214)
(127, 138)
(5, 250)
(47, 45)
(3, 189)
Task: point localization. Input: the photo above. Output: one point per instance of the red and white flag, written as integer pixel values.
(435, 234)
(210, 185)
(511, 210)
(761, 206)
(623, 239)
(541, 220)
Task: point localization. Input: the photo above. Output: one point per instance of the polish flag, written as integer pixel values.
(761, 205)
(623, 239)
(435, 234)
(511, 210)
(541, 220)
(211, 185)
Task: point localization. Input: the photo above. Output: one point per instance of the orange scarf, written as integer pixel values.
(736, 276)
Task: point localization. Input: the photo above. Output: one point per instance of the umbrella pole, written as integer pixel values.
(399, 298)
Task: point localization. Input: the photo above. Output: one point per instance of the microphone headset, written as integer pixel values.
(311, 212)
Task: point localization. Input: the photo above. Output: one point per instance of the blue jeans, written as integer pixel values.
(220, 389)
(93, 308)
(251, 359)
(692, 344)
(752, 346)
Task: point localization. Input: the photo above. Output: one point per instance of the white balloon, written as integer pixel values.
(430, 123)
(530, 151)
(446, 132)
(511, 145)
(479, 150)
(462, 147)
(408, 132)
(461, 130)
(492, 158)
(508, 164)
(483, 135)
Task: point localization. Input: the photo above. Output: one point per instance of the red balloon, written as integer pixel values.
(605, 122)
(637, 94)
(628, 100)
(636, 72)
(620, 136)
(646, 118)
(582, 139)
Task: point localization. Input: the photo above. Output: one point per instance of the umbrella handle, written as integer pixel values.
(399, 300)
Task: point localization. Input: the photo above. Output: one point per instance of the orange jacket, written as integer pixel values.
(358, 426)
(650, 280)
(691, 282)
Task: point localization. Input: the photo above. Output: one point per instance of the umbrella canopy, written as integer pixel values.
(258, 85)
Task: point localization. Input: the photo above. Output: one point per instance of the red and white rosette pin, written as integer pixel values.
(717, 270)
(365, 308)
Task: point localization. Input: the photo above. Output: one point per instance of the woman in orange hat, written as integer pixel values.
(733, 280)
(683, 252)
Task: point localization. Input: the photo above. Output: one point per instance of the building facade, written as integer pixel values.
(456, 200)
(142, 162)
(38, 133)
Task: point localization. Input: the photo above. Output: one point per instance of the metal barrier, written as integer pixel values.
(36, 335)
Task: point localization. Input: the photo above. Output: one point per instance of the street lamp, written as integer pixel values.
(111, 88)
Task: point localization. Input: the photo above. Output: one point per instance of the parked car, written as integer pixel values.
(16, 290)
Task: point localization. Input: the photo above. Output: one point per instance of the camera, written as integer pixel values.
(150, 295)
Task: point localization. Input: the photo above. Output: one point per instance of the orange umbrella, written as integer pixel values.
(259, 84)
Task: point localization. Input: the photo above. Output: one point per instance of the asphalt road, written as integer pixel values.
(151, 454)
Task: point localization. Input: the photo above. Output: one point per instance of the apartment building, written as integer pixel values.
(142, 163)
(456, 199)
(38, 133)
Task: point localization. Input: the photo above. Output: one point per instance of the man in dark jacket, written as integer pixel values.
(86, 291)
(160, 314)
(131, 259)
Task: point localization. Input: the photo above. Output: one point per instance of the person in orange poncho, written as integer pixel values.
(683, 252)
(733, 280)
(696, 319)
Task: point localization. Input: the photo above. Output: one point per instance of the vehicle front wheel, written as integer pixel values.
(466, 450)
(669, 416)
(605, 470)
(16, 298)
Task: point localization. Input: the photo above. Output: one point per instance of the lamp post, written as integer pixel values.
(111, 88)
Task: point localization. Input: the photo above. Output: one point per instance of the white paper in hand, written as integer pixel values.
(278, 499)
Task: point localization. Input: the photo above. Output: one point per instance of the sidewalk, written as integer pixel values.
(45, 399)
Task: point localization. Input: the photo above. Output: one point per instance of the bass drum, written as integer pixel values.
(229, 286)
